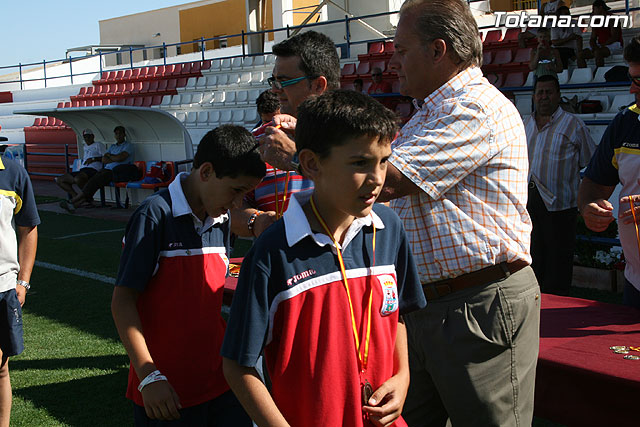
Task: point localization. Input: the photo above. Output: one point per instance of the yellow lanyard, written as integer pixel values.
(280, 211)
(363, 357)
(635, 221)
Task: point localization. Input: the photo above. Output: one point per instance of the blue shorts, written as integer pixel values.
(11, 342)
(223, 411)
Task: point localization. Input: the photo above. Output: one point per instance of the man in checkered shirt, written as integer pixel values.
(458, 180)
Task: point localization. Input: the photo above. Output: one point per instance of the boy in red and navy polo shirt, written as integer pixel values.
(322, 290)
(168, 295)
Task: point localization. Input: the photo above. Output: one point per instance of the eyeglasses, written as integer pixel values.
(277, 84)
(634, 80)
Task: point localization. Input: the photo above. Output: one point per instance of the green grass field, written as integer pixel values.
(73, 371)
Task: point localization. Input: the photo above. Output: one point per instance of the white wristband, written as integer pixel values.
(151, 378)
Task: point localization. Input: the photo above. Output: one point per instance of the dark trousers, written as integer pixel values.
(552, 244)
(100, 179)
(630, 296)
(223, 411)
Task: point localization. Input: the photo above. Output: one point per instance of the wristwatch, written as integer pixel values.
(252, 221)
(295, 162)
(24, 284)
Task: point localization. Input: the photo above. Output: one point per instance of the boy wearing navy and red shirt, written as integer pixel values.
(168, 295)
(322, 290)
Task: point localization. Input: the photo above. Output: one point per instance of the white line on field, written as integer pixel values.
(88, 234)
(82, 273)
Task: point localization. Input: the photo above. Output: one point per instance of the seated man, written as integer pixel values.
(604, 41)
(379, 86)
(118, 166)
(568, 42)
(91, 164)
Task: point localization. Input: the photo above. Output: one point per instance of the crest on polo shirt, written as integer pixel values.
(389, 294)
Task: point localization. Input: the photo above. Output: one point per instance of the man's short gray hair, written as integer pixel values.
(451, 21)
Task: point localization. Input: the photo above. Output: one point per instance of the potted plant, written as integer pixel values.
(598, 258)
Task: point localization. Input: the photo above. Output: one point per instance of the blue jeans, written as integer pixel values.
(223, 411)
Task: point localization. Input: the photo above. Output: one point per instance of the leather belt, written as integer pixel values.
(435, 290)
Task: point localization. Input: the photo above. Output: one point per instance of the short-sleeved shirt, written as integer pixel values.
(179, 265)
(17, 208)
(466, 149)
(274, 186)
(291, 301)
(604, 33)
(120, 148)
(558, 33)
(617, 160)
(91, 151)
(557, 152)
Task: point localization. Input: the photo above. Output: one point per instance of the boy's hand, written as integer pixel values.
(161, 402)
(21, 293)
(385, 404)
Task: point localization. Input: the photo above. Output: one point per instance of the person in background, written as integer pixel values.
(617, 160)
(378, 86)
(568, 41)
(268, 106)
(118, 166)
(559, 147)
(92, 152)
(545, 59)
(604, 41)
(358, 85)
(18, 216)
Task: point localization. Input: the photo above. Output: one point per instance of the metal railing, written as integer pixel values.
(67, 155)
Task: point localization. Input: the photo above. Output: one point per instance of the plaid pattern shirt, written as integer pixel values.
(467, 151)
(557, 152)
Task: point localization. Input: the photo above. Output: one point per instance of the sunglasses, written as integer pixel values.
(276, 84)
(376, 74)
(634, 80)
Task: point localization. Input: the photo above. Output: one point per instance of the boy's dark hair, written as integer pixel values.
(632, 50)
(317, 53)
(267, 102)
(547, 78)
(358, 81)
(232, 152)
(117, 128)
(335, 117)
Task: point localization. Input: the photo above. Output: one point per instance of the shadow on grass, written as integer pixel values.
(76, 301)
(114, 362)
(94, 401)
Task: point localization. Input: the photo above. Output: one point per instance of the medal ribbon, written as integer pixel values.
(635, 221)
(363, 357)
(280, 211)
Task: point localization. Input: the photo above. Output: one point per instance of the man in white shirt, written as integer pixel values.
(568, 41)
(91, 164)
(559, 146)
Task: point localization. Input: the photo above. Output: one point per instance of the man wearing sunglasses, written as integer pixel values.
(379, 85)
(617, 160)
(306, 64)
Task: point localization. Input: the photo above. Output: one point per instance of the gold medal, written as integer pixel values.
(632, 357)
(367, 391)
(621, 351)
(619, 347)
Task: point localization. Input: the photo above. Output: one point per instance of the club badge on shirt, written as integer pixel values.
(389, 294)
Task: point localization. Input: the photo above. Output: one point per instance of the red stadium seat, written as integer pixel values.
(146, 101)
(156, 100)
(129, 101)
(503, 56)
(522, 55)
(511, 35)
(137, 101)
(514, 79)
(171, 84)
(182, 82)
(206, 64)
(376, 47)
(153, 86)
(363, 68)
(493, 36)
(348, 70)
(162, 85)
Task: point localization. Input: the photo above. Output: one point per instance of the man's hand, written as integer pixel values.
(106, 158)
(385, 404)
(626, 216)
(161, 402)
(597, 215)
(276, 146)
(263, 221)
(21, 292)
